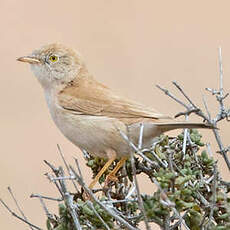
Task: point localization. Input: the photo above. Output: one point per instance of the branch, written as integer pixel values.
(93, 197)
(17, 216)
(191, 107)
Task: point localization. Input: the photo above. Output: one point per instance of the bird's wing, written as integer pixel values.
(88, 97)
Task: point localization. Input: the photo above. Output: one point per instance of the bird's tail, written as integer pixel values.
(181, 125)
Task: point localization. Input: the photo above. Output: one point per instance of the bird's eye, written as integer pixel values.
(53, 58)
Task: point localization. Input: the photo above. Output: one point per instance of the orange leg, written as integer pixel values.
(105, 167)
(112, 175)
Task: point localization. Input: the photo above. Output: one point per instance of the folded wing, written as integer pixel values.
(88, 97)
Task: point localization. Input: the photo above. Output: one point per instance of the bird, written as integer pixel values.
(90, 114)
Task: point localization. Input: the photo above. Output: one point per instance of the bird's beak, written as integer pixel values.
(30, 60)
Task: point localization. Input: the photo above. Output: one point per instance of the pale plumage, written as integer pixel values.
(90, 114)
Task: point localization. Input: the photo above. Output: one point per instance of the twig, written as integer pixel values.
(130, 193)
(18, 217)
(208, 146)
(56, 172)
(46, 197)
(141, 136)
(187, 112)
(15, 201)
(221, 115)
(213, 203)
(172, 96)
(140, 201)
(69, 204)
(158, 159)
(62, 178)
(48, 214)
(67, 167)
(89, 203)
(69, 201)
(138, 151)
(78, 168)
(185, 137)
(119, 201)
(206, 108)
(178, 223)
(152, 163)
(108, 210)
(221, 90)
(221, 147)
(184, 94)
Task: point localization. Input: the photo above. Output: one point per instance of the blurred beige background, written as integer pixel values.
(129, 45)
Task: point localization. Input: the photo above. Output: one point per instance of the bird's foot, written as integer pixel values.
(110, 178)
(86, 196)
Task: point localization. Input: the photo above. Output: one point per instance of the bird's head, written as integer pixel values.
(54, 64)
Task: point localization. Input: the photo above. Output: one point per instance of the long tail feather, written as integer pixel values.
(181, 125)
